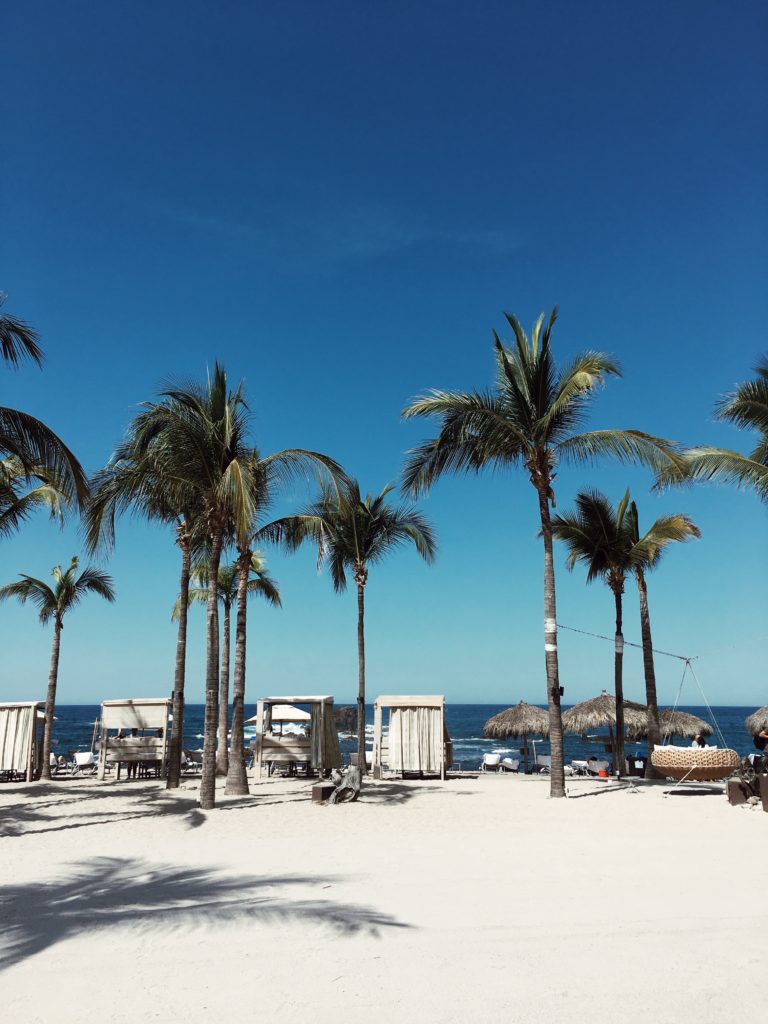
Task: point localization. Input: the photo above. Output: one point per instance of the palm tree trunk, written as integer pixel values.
(50, 699)
(208, 781)
(177, 732)
(237, 780)
(654, 729)
(618, 678)
(360, 681)
(557, 777)
(222, 757)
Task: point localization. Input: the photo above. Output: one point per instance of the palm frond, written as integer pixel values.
(35, 445)
(627, 446)
(18, 340)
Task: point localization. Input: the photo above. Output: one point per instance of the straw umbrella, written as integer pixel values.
(601, 711)
(757, 721)
(516, 723)
(675, 723)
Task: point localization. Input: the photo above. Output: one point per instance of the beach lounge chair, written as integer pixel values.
(191, 761)
(490, 763)
(85, 763)
(543, 764)
(509, 764)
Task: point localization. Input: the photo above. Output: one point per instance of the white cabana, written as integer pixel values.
(417, 741)
(18, 739)
(320, 749)
(121, 717)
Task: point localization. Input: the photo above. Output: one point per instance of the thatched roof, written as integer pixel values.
(674, 723)
(757, 721)
(521, 720)
(601, 711)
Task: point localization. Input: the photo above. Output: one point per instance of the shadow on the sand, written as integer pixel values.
(111, 892)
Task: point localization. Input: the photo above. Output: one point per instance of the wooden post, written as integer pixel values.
(321, 744)
(442, 741)
(377, 716)
(103, 752)
(259, 736)
(32, 749)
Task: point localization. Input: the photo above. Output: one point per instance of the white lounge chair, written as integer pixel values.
(85, 763)
(490, 763)
(543, 764)
(509, 764)
(595, 766)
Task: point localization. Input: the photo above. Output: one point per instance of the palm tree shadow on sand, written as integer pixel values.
(110, 892)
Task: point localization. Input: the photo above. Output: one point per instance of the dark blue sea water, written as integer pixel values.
(73, 730)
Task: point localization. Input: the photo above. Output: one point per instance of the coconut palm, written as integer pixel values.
(248, 562)
(143, 479)
(54, 603)
(17, 502)
(228, 593)
(645, 551)
(746, 407)
(196, 440)
(353, 533)
(527, 421)
(596, 538)
(32, 443)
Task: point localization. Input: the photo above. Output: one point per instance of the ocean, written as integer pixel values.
(73, 731)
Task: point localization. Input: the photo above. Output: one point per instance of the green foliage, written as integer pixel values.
(67, 591)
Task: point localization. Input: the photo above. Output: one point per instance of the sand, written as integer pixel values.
(478, 899)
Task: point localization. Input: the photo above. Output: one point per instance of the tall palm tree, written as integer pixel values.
(527, 421)
(17, 502)
(746, 407)
(196, 438)
(644, 552)
(352, 533)
(24, 437)
(54, 603)
(248, 562)
(143, 478)
(228, 594)
(596, 537)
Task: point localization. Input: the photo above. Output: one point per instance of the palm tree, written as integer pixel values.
(248, 562)
(596, 537)
(527, 421)
(53, 603)
(746, 407)
(17, 503)
(352, 533)
(195, 440)
(644, 553)
(142, 478)
(228, 593)
(35, 446)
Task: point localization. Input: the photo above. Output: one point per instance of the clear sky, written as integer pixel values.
(338, 201)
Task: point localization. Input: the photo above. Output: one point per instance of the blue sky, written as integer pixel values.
(339, 201)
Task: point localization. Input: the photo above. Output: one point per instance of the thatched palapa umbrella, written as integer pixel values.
(601, 711)
(757, 721)
(518, 722)
(675, 723)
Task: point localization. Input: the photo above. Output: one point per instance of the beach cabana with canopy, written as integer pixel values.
(757, 722)
(18, 739)
(518, 722)
(417, 740)
(320, 749)
(121, 717)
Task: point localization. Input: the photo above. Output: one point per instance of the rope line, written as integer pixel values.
(627, 643)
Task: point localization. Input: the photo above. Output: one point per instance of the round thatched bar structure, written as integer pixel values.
(757, 721)
(518, 722)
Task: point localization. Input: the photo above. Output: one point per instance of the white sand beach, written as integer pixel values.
(478, 899)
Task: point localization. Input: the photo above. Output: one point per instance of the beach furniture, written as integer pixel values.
(191, 761)
(509, 764)
(18, 740)
(490, 763)
(84, 763)
(595, 766)
(150, 718)
(543, 764)
(318, 749)
(417, 740)
(695, 764)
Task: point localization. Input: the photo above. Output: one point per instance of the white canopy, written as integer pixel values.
(283, 713)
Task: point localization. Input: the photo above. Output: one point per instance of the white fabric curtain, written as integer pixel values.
(16, 725)
(415, 739)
